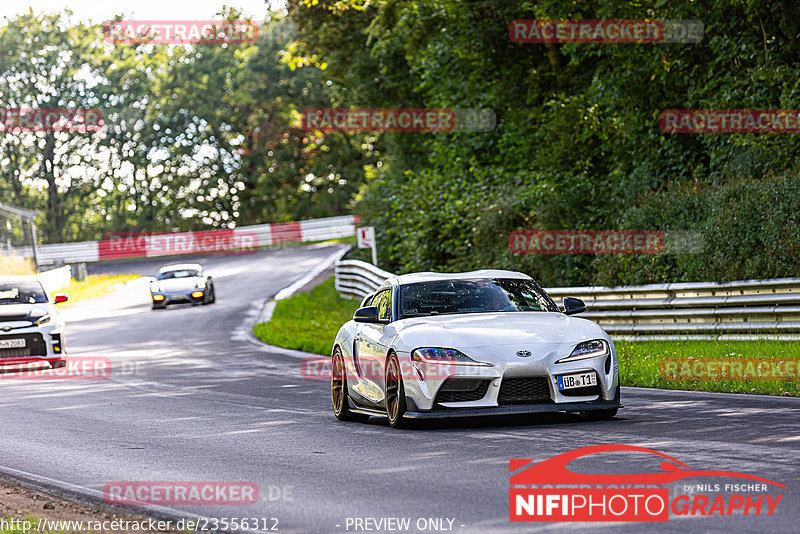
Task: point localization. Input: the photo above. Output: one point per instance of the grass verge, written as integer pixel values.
(11, 264)
(645, 363)
(308, 321)
(95, 285)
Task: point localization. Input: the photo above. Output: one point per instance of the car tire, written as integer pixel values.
(602, 415)
(212, 297)
(159, 306)
(58, 364)
(395, 394)
(339, 390)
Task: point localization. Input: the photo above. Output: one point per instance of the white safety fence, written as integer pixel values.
(260, 235)
(749, 309)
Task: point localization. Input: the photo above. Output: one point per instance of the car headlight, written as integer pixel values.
(44, 319)
(437, 355)
(595, 348)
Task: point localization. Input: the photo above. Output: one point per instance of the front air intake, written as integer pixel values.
(462, 390)
(524, 390)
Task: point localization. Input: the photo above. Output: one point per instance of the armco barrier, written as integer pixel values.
(357, 279)
(748, 309)
(262, 234)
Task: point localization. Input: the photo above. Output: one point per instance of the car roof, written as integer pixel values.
(414, 278)
(11, 278)
(181, 267)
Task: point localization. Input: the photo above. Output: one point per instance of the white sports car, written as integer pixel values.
(182, 282)
(487, 342)
(31, 328)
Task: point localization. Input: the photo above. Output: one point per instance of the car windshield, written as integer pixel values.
(182, 273)
(473, 296)
(22, 293)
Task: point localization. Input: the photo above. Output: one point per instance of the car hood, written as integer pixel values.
(23, 312)
(495, 332)
(178, 284)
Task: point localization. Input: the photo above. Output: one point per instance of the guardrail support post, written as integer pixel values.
(33, 243)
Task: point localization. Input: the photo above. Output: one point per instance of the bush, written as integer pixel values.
(747, 229)
(577, 143)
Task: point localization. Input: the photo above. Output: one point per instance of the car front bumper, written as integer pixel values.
(448, 413)
(536, 389)
(42, 343)
(178, 297)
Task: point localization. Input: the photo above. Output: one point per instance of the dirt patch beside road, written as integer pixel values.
(48, 513)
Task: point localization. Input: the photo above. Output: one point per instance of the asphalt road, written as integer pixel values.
(191, 398)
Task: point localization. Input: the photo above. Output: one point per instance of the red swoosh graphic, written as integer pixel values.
(554, 470)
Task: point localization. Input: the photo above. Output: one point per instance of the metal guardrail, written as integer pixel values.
(357, 279)
(747, 309)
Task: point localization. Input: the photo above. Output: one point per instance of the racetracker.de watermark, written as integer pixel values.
(319, 368)
(127, 32)
(604, 242)
(138, 244)
(733, 369)
(730, 121)
(586, 242)
(398, 120)
(181, 493)
(19, 120)
(609, 31)
(75, 368)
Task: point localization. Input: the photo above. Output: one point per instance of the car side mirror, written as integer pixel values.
(573, 306)
(58, 299)
(367, 314)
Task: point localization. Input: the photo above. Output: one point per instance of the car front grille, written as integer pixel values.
(524, 390)
(582, 392)
(34, 346)
(462, 390)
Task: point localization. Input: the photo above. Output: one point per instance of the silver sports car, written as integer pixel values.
(183, 282)
(486, 342)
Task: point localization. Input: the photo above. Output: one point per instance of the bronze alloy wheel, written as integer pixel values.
(395, 394)
(339, 390)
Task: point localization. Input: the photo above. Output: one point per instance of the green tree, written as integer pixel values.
(577, 143)
(43, 65)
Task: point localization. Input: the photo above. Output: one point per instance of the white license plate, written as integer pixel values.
(581, 380)
(18, 343)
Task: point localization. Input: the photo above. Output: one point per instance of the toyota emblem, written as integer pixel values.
(523, 353)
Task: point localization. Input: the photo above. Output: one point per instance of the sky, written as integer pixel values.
(101, 10)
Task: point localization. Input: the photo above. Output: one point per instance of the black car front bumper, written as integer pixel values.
(446, 413)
